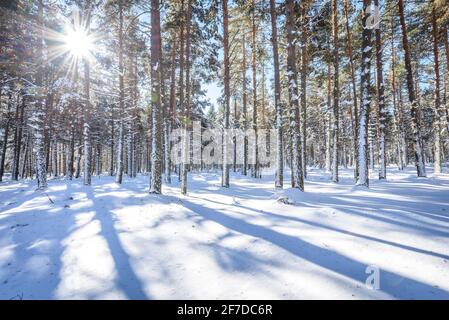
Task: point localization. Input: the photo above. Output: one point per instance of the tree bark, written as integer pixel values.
(336, 94)
(439, 116)
(354, 111)
(39, 114)
(381, 103)
(296, 155)
(365, 98)
(186, 104)
(156, 154)
(414, 108)
(279, 182)
(120, 147)
(5, 137)
(225, 177)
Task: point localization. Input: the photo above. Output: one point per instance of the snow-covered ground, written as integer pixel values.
(119, 242)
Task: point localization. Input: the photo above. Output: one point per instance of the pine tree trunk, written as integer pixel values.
(87, 175)
(336, 94)
(277, 99)
(244, 108)
(39, 112)
(170, 112)
(354, 112)
(304, 62)
(296, 155)
(381, 102)
(365, 98)
(156, 154)
(414, 108)
(255, 167)
(446, 47)
(437, 125)
(398, 116)
(120, 147)
(5, 137)
(186, 105)
(225, 177)
(328, 158)
(17, 138)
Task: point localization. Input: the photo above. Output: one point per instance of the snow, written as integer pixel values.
(110, 241)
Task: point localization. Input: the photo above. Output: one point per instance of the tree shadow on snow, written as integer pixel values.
(391, 283)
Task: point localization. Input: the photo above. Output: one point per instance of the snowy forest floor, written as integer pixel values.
(118, 242)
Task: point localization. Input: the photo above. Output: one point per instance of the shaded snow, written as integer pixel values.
(117, 241)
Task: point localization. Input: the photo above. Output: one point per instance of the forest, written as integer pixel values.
(244, 149)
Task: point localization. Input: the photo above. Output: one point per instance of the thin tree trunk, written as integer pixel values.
(336, 94)
(354, 113)
(18, 141)
(87, 108)
(186, 104)
(365, 98)
(255, 167)
(277, 99)
(296, 155)
(5, 137)
(437, 125)
(225, 177)
(381, 102)
(304, 62)
(120, 147)
(39, 114)
(397, 116)
(244, 107)
(328, 158)
(170, 112)
(414, 108)
(156, 141)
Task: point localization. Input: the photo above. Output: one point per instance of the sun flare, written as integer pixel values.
(78, 43)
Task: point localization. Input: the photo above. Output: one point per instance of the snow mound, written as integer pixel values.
(289, 196)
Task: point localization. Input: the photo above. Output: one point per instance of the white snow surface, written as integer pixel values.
(110, 241)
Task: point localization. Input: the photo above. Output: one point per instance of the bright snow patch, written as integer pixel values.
(108, 241)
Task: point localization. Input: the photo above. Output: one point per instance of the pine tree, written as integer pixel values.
(414, 105)
(279, 182)
(297, 173)
(365, 99)
(225, 176)
(156, 141)
(381, 102)
(336, 93)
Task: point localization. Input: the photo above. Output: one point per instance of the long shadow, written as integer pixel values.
(127, 279)
(324, 226)
(47, 226)
(391, 283)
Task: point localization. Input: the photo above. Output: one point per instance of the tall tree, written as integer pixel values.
(297, 173)
(365, 99)
(225, 176)
(279, 182)
(39, 112)
(381, 101)
(303, 94)
(255, 169)
(336, 93)
(439, 116)
(414, 106)
(87, 173)
(120, 146)
(186, 104)
(354, 110)
(156, 141)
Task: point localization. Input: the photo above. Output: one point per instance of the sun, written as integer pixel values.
(78, 43)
